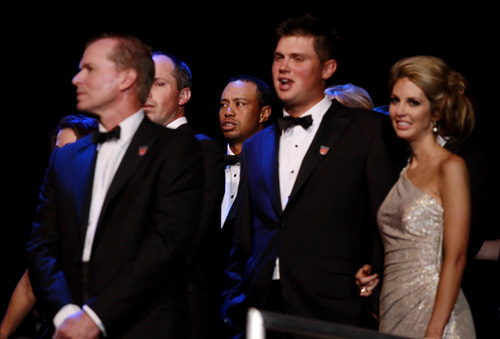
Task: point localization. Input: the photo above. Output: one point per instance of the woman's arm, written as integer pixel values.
(453, 187)
(21, 303)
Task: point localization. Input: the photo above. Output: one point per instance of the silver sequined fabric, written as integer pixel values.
(411, 224)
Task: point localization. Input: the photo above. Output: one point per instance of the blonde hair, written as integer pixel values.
(445, 89)
(350, 96)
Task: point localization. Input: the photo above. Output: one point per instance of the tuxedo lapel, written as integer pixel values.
(84, 166)
(135, 154)
(269, 162)
(331, 129)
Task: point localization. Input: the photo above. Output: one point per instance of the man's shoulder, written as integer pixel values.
(208, 144)
(172, 140)
(360, 114)
(263, 135)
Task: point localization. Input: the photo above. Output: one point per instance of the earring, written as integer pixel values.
(435, 129)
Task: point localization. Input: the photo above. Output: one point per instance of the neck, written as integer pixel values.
(298, 110)
(235, 147)
(111, 117)
(425, 149)
(178, 114)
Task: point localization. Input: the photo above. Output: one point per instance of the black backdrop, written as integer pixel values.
(42, 47)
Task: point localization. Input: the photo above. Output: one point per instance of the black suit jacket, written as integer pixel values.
(148, 221)
(224, 240)
(223, 248)
(328, 229)
(202, 275)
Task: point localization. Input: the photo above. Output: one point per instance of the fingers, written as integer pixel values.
(362, 279)
(367, 289)
(366, 269)
(366, 281)
(363, 272)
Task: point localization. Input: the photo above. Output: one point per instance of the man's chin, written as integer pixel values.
(83, 108)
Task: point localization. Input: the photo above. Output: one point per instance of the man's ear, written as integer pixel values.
(128, 78)
(265, 113)
(329, 67)
(184, 96)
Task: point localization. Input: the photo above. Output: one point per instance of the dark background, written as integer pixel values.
(41, 51)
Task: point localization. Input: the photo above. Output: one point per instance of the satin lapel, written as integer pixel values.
(331, 129)
(269, 162)
(134, 155)
(84, 176)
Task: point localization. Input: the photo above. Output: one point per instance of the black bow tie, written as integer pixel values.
(231, 159)
(290, 121)
(99, 137)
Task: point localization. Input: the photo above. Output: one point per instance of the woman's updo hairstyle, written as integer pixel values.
(445, 89)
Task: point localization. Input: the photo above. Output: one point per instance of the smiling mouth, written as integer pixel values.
(403, 124)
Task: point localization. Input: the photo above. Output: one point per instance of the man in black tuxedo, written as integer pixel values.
(166, 106)
(245, 107)
(118, 210)
(309, 193)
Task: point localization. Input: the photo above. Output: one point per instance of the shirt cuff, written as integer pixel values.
(64, 313)
(95, 318)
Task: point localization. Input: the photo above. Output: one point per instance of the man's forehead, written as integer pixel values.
(98, 51)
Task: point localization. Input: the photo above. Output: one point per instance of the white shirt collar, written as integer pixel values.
(128, 127)
(177, 122)
(441, 140)
(229, 152)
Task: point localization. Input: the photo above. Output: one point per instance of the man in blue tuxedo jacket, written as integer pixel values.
(118, 210)
(310, 188)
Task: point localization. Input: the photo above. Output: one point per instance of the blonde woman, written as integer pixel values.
(424, 221)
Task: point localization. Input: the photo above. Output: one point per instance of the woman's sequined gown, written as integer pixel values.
(411, 224)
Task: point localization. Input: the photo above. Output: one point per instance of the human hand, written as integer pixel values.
(434, 331)
(79, 325)
(365, 281)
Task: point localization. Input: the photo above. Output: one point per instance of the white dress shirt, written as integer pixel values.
(231, 187)
(109, 156)
(294, 143)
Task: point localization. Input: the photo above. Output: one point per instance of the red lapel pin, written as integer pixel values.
(142, 150)
(323, 150)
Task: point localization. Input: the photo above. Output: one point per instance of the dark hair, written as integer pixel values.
(445, 89)
(132, 53)
(264, 93)
(181, 71)
(78, 123)
(325, 38)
